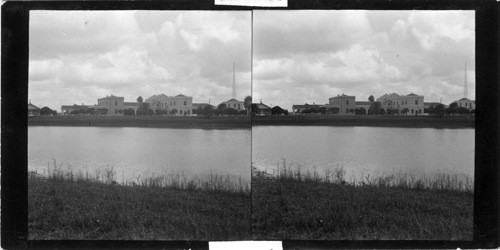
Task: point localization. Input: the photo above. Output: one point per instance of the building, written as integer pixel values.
(464, 102)
(131, 105)
(179, 105)
(412, 102)
(33, 110)
(235, 104)
(299, 108)
(197, 107)
(68, 109)
(344, 103)
(261, 109)
(362, 104)
(113, 104)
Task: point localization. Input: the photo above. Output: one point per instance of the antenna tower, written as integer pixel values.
(234, 83)
(465, 81)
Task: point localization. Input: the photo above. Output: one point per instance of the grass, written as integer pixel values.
(65, 205)
(292, 205)
(368, 120)
(224, 122)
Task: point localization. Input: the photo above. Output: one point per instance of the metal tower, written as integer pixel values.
(234, 83)
(465, 81)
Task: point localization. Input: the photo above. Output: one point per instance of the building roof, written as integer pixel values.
(74, 106)
(233, 100)
(343, 96)
(428, 104)
(32, 107)
(180, 95)
(391, 95)
(304, 106)
(411, 94)
(262, 106)
(465, 99)
(111, 96)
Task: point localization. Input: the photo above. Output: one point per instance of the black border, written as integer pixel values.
(15, 54)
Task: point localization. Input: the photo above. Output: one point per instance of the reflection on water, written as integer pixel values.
(364, 151)
(145, 152)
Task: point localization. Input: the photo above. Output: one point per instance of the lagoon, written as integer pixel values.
(144, 152)
(365, 151)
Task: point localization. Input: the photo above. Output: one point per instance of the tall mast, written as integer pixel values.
(465, 81)
(234, 81)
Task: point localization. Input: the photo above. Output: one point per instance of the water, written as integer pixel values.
(363, 151)
(134, 152)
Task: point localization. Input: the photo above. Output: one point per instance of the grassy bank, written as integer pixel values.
(287, 207)
(368, 120)
(225, 122)
(67, 206)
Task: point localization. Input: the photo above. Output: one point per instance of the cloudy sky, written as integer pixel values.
(308, 56)
(298, 56)
(80, 56)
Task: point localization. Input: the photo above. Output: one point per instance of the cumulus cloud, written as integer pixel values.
(309, 56)
(80, 56)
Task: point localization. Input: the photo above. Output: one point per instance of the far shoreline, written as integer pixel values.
(246, 122)
(193, 122)
(397, 121)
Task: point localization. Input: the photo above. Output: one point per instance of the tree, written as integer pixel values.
(405, 111)
(173, 111)
(128, 112)
(439, 109)
(462, 111)
(248, 104)
(254, 108)
(452, 109)
(139, 99)
(334, 110)
(144, 109)
(207, 111)
(46, 111)
(90, 111)
(375, 108)
(322, 110)
(360, 111)
(277, 110)
(220, 108)
(230, 111)
(371, 99)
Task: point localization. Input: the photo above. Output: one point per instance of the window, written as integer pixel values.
(174, 103)
(180, 112)
(184, 103)
(116, 103)
(238, 106)
(416, 102)
(234, 105)
(188, 112)
(412, 111)
(346, 102)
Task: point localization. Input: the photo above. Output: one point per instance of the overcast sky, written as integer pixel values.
(299, 56)
(310, 55)
(79, 56)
